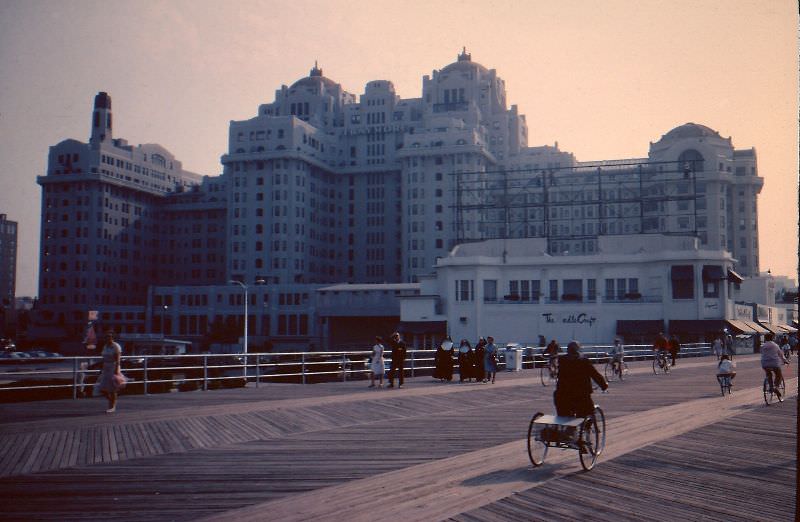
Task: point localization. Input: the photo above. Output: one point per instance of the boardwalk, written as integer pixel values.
(676, 450)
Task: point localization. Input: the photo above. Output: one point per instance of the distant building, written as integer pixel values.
(8, 261)
(117, 219)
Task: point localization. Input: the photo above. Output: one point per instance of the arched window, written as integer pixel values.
(690, 161)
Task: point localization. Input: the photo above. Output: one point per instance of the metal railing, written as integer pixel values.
(64, 377)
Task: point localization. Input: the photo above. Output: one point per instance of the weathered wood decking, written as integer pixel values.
(676, 450)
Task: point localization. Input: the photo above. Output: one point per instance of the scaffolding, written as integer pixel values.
(572, 206)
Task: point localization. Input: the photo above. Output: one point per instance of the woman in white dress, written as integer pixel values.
(377, 363)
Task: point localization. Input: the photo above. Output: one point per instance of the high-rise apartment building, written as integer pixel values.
(8, 261)
(117, 219)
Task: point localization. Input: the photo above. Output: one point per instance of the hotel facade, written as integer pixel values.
(322, 187)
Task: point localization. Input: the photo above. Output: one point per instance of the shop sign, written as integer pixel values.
(569, 318)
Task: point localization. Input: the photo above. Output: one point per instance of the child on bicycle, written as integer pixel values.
(551, 355)
(726, 368)
(617, 354)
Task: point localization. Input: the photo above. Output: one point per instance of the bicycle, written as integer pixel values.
(725, 383)
(548, 373)
(585, 434)
(771, 392)
(660, 362)
(615, 368)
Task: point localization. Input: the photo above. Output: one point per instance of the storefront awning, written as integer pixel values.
(788, 328)
(741, 327)
(700, 326)
(734, 277)
(774, 328)
(755, 326)
(640, 327)
(422, 327)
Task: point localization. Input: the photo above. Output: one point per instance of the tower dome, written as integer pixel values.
(691, 130)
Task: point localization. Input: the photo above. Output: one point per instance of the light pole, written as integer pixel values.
(246, 297)
(244, 287)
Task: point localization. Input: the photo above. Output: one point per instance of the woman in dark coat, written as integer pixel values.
(464, 360)
(444, 361)
(479, 372)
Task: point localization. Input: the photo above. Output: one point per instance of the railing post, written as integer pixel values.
(413, 356)
(205, 373)
(258, 369)
(303, 366)
(144, 375)
(344, 369)
(74, 378)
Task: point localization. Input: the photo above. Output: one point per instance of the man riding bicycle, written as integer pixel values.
(573, 395)
(551, 354)
(771, 360)
(617, 354)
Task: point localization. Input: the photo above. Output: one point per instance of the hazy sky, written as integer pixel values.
(603, 78)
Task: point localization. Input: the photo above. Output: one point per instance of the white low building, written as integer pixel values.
(633, 287)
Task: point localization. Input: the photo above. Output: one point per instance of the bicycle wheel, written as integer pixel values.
(608, 371)
(722, 385)
(589, 443)
(657, 367)
(769, 394)
(600, 419)
(547, 376)
(666, 364)
(537, 449)
(623, 370)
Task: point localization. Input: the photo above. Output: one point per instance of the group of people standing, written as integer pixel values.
(478, 363)
(378, 361)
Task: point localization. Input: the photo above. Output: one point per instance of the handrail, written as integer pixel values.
(73, 375)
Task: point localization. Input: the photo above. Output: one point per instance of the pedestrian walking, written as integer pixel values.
(717, 347)
(464, 360)
(490, 360)
(111, 380)
(444, 361)
(398, 360)
(377, 364)
(478, 362)
(674, 347)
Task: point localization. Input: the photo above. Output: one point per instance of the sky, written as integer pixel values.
(602, 78)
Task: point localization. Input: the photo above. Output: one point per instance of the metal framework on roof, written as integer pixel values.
(573, 206)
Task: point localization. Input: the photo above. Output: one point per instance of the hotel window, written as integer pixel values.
(591, 289)
(682, 281)
(554, 290)
(712, 275)
(490, 290)
(573, 290)
(464, 289)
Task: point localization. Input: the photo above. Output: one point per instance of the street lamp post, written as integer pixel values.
(246, 298)
(244, 288)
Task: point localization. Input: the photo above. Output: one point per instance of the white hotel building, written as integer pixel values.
(322, 187)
